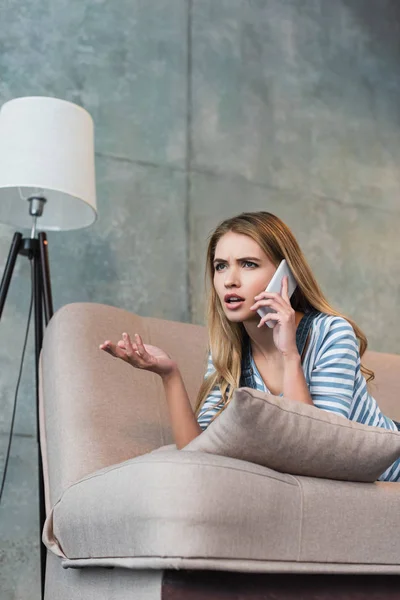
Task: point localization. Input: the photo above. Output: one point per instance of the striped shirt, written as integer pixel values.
(331, 367)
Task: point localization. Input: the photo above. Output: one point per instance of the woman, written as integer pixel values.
(312, 354)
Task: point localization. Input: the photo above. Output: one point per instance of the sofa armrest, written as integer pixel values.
(96, 410)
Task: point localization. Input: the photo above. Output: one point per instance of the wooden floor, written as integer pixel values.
(209, 585)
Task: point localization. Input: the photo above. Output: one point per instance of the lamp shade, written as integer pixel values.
(47, 149)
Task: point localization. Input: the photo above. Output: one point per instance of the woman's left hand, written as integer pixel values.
(284, 331)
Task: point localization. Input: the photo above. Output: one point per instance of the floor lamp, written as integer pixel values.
(47, 182)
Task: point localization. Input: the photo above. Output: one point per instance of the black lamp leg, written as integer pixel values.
(9, 268)
(38, 302)
(44, 311)
(37, 250)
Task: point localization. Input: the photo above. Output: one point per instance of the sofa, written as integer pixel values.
(130, 517)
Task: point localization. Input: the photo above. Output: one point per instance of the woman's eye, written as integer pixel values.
(245, 263)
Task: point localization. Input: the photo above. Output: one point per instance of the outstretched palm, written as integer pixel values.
(139, 355)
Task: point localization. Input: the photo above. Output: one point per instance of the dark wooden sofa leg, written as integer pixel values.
(216, 585)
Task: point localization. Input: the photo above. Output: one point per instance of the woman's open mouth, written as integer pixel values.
(233, 301)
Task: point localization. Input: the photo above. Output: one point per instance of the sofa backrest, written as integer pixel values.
(97, 410)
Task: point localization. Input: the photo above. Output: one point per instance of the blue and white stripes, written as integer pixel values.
(332, 371)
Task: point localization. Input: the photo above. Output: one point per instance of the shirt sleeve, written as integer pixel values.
(211, 405)
(333, 377)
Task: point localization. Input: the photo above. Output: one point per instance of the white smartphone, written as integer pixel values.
(275, 286)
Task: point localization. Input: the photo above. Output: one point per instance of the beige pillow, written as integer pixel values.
(297, 438)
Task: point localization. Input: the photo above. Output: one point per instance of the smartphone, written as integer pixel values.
(275, 286)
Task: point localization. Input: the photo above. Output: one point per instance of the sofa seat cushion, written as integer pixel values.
(190, 505)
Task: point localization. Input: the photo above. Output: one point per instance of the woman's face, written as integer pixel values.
(241, 270)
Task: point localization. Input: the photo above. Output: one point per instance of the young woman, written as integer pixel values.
(312, 354)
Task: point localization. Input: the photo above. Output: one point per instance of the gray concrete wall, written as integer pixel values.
(203, 109)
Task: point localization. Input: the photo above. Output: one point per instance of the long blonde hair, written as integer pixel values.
(226, 338)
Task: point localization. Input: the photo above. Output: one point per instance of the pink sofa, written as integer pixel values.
(127, 522)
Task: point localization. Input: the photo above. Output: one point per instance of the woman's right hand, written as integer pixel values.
(140, 356)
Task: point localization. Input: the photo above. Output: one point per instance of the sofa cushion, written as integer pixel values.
(298, 438)
(174, 509)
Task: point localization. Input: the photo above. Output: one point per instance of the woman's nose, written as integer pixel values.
(232, 279)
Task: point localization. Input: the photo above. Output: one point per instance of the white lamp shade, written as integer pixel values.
(47, 149)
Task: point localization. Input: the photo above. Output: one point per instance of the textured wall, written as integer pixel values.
(202, 109)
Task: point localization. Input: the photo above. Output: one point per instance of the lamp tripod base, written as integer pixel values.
(35, 249)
